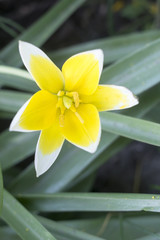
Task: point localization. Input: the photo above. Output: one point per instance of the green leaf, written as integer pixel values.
(1, 191)
(114, 148)
(150, 237)
(63, 232)
(11, 101)
(17, 78)
(70, 163)
(62, 202)
(16, 147)
(6, 115)
(138, 71)
(25, 225)
(41, 30)
(134, 128)
(8, 233)
(114, 48)
(134, 225)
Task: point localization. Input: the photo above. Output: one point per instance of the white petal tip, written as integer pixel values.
(13, 127)
(131, 99)
(134, 101)
(99, 55)
(22, 44)
(40, 169)
(38, 174)
(44, 161)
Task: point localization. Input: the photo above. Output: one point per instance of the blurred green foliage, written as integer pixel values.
(59, 204)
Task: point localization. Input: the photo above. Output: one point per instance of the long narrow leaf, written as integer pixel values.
(16, 78)
(26, 226)
(11, 101)
(64, 232)
(134, 128)
(61, 202)
(138, 71)
(15, 147)
(114, 47)
(135, 225)
(41, 30)
(76, 160)
(7, 233)
(1, 190)
(114, 148)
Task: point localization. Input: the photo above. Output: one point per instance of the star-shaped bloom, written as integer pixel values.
(67, 104)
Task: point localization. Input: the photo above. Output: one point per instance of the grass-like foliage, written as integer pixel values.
(59, 204)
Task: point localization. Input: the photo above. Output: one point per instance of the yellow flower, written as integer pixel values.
(67, 105)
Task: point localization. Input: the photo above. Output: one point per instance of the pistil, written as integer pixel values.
(68, 100)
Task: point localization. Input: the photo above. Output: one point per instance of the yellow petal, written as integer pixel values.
(36, 114)
(82, 71)
(110, 97)
(82, 128)
(48, 147)
(46, 74)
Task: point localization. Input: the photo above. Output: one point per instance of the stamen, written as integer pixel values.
(79, 117)
(75, 97)
(60, 93)
(62, 109)
(67, 102)
(72, 108)
(61, 120)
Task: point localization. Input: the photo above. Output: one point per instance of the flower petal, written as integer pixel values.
(83, 127)
(82, 71)
(48, 147)
(46, 74)
(110, 97)
(36, 114)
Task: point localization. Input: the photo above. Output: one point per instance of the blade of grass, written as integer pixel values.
(62, 202)
(6, 115)
(25, 225)
(7, 233)
(115, 147)
(41, 30)
(135, 225)
(8, 29)
(12, 23)
(11, 101)
(114, 48)
(64, 232)
(76, 160)
(150, 237)
(133, 128)
(138, 71)
(17, 78)
(1, 190)
(16, 147)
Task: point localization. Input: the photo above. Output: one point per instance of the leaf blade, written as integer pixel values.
(94, 202)
(26, 226)
(45, 26)
(114, 48)
(134, 128)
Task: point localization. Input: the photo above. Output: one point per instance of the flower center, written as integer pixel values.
(67, 100)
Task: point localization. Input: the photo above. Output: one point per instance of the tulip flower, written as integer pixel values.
(67, 104)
